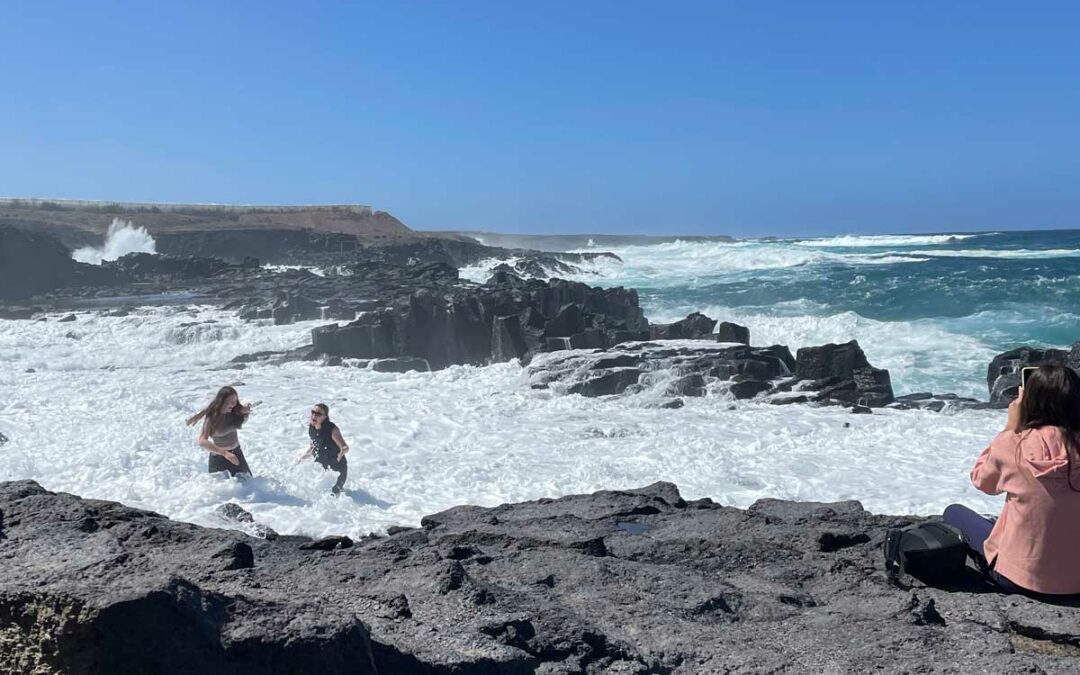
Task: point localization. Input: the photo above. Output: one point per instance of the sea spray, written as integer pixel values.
(122, 238)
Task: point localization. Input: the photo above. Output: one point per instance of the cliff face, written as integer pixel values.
(629, 581)
(78, 223)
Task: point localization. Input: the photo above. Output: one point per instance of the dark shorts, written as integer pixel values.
(218, 463)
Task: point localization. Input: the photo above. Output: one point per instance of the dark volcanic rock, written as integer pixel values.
(673, 370)
(33, 263)
(1003, 373)
(695, 326)
(472, 324)
(633, 581)
(732, 332)
(841, 375)
(290, 309)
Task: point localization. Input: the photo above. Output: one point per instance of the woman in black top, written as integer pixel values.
(327, 445)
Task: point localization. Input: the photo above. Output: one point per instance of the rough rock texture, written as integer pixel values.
(732, 332)
(505, 318)
(841, 374)
(830, 375)
(695, 326)
(679, 370)
(634, 581)
(32, 263)
(1003, 373)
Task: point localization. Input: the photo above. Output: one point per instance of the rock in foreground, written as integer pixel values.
(636, 581)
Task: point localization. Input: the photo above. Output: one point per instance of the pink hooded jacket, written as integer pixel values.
(1036, 541)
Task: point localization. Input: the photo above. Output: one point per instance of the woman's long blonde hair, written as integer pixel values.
(213, 412)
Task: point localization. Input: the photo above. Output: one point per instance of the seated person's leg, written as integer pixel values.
(976, 528)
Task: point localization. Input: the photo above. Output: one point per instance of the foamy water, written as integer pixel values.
(102, 416)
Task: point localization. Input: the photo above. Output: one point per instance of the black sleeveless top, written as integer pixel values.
(322, 439)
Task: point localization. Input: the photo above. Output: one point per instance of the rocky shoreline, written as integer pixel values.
(622, 581)
(406, 308)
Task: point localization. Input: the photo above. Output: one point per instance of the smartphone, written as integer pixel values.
(1025, 372)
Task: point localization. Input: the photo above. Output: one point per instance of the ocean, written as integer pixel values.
(97, 406)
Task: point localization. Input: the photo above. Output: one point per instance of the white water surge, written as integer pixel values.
(101, 415)
(122, 238)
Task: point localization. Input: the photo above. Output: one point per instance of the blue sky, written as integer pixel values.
(742, 118)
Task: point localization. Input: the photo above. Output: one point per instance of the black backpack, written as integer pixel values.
(932, 552)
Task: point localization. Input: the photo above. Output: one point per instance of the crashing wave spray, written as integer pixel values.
(122, 238)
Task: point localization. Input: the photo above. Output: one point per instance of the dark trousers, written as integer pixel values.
(331, 462)
(218, 463)
(976, 529)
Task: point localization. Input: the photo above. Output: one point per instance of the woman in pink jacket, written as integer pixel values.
(1034, 546)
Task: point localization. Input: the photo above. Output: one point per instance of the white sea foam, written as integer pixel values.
(923, 355)
(122, 238)
(1019, 254)
(880, 240)
(685, 263)
(102, 416)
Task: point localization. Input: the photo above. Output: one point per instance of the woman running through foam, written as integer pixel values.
(327, 445)
(1034, 546)
(221, 420)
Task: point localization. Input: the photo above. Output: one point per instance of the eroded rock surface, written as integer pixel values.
(634, 581)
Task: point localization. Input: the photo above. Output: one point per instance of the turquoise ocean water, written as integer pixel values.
(934, 309)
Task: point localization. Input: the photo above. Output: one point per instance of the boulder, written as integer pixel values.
(695, 326)
(401, 364)
(748, 388)
(732, 332)
(292, 308)
(841, 374)
(1003, 373)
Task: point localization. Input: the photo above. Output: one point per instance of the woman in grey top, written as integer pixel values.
(221, 419)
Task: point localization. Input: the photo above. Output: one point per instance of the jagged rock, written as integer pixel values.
(569, 320)
(1003, 373)
(841, 374)
(732, 332)
(695, 326)
(292, 308)
(332, 543)
(748, 388)
(142, 265)
(237, 514)
(693, 369)
(402, 364)
(620, 581)
(607, 384)
(34, 262)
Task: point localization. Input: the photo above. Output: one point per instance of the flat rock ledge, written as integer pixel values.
(633, 581)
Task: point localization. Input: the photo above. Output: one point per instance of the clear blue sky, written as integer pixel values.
(743, 118)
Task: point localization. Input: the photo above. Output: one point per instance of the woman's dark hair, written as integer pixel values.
(325, 410)
(1052, 398)
(214, 415)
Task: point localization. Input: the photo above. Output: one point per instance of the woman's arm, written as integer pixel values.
(986, 474)
(344, 448)
(208, 445)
